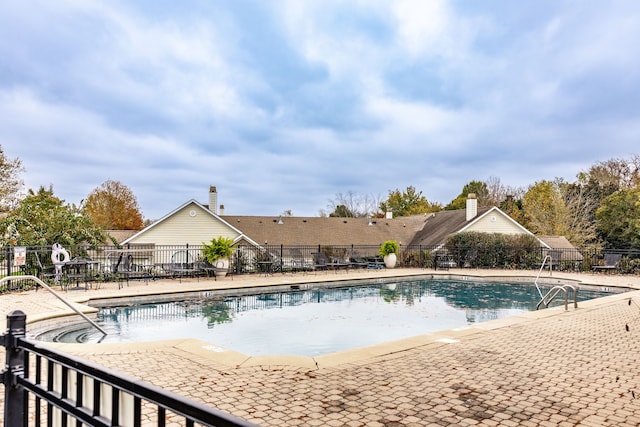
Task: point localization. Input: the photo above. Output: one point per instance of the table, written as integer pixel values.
(78, 269)
(266, 267)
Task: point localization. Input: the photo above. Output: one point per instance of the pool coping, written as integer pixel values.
(232, 359)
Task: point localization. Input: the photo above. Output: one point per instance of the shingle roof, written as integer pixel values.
(439, 225)
(119, 235)
(557, 242)
(326, 230)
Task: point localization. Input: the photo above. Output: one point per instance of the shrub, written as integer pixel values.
(389, 247)
(217, 249)
(494, 250)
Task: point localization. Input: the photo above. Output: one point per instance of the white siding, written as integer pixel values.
(191, 224)
(495, 222)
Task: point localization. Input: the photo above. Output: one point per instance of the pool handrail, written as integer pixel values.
(544, 261)
(553, 293)
(47, 287)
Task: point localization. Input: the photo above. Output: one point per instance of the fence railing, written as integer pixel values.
(46, 387)
(153, 261)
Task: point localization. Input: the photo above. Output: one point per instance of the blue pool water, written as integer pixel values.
(316, 321)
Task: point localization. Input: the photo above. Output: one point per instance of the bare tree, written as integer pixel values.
(579, 205)
(497, 192)
(10, 182)
(352, 205)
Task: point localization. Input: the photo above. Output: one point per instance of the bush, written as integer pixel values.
(217, 249)
(494, 250)
(389, 247)
(629, 266)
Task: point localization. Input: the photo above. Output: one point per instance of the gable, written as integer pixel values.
(495, 221)
(439, 226)
(190, 224)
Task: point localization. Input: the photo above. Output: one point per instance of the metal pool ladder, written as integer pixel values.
(553, 293)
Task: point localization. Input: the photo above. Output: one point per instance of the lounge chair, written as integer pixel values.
(214, 271)
(358, 262)
(297, 261)
(375, 263)
(337, 263)
(320, 261)
(611, 262)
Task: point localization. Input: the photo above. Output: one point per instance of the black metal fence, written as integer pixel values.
(46, 387)
(151, 261)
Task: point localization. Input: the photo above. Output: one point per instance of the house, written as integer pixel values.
(439, 225)
(194, 223)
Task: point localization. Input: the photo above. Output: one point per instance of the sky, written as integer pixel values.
(283, 105)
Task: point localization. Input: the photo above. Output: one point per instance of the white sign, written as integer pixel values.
(19, 256)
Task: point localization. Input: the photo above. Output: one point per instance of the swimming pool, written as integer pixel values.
(313, 321)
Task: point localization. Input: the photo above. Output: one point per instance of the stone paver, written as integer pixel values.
(547, 369)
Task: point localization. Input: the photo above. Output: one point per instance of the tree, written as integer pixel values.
(560, 209)
(580, 207)
(10, 182)
(478, 188)
(619, 219)
(113, 206)
(544, 209)
(42, 219)
(352, 205)
(409, 202)
(512, 206)
(341, 211)
(497, 193)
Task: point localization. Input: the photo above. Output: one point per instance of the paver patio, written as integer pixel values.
(549, 368)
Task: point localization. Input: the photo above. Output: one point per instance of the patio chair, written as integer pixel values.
(112, 271)
(128, 269)
(46, 273)
(611, 262)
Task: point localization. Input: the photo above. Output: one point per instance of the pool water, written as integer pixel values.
(316, 321)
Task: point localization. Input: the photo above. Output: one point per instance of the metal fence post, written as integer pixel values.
(9, 258)
(14, 396)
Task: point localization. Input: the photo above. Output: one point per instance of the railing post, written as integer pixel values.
(9, 258)
(14, 397)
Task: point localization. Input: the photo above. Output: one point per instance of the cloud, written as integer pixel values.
(282, 106)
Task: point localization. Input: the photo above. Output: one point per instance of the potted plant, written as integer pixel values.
(217, 253)
(388, 252)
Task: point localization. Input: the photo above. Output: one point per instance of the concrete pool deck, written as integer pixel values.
(551, 367)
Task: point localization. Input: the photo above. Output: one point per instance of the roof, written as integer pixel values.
(556, 242)
(439, 225)
(326, 230)
(119, 235)
(561, 248)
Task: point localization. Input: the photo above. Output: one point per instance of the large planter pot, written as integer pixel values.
(222, 267)
(390, 260)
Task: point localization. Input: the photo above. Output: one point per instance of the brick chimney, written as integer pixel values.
(213, 200)
(472, 206)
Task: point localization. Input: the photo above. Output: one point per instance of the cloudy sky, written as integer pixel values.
(283, 104)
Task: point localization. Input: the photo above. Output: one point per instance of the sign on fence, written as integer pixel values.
(19, 256)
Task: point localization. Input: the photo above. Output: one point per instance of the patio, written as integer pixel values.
(544, 368)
